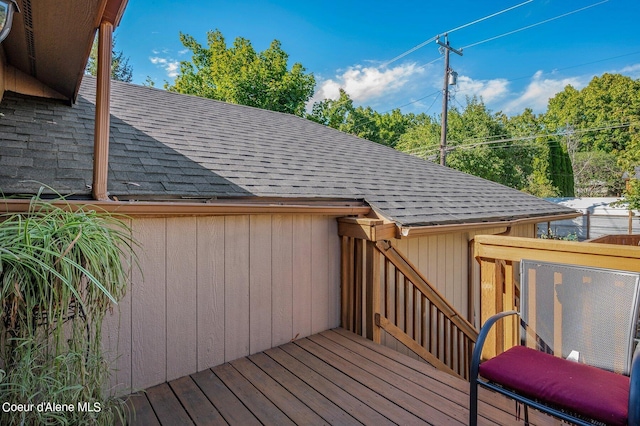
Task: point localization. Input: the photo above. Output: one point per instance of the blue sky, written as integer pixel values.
(349, 44)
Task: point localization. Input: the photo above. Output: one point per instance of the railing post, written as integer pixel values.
(373, 291)
(489, 296)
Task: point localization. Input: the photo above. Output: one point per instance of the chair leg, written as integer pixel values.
(473, 401)
(526, 415)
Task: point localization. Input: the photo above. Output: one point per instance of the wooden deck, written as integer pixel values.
(334, 377)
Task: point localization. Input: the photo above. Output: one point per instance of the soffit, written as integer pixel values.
(51, 40)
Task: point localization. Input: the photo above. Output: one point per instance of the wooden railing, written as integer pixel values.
(619, 239)
(499, 258)
(383, 292)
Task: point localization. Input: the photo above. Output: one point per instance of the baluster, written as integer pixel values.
(407, 306)
(424, 325)
(397, 290)
(387, 302)
(358, 286)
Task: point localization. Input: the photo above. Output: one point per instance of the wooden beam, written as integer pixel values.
(373, 291)
(366, 228)
(515, 249)
(413, 346)
(102, 122)
(411, 273)
(111, 11)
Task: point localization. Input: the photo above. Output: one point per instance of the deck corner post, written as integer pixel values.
(373, 292)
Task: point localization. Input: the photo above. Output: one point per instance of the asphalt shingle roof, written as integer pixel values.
(165, 144)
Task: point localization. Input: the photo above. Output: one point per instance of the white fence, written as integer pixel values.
(590, 226)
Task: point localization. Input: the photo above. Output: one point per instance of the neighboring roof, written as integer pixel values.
(165, 144)
(599, 206)
(51, 40)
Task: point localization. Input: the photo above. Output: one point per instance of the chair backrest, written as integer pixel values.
(592, 311)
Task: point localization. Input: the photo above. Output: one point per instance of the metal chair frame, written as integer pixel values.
(475, 381)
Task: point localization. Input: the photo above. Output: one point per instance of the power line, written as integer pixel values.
(526, 138)
(417, 100)
(522, 29)
(408, 52)
(561, 133)
(432, 39)
(358, 125)
(489, 16)
(534, 25)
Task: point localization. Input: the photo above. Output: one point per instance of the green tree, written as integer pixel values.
(507, 150)
(602, 117)
(477, 140)
(560, 169)
(609, 101)
(238, 74)
(422, 139)
(531, 153)
(385, 129)
(597, 174)
(630, 157)
(120, 68)
(332, 112)
(631, 196)
(364, 122)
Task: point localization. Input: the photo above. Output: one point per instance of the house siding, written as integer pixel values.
(213, 289)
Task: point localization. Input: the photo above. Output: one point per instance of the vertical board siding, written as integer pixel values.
(148, 305)
(213, 289)
(236, 289)
(282, 288)
(260, 283)
(181, 297)
(301, 276)
(116, 337)
(210, 292)
(321, 294)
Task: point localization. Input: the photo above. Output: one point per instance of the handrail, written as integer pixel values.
(420, 282)
(406, 340)
(383, 291)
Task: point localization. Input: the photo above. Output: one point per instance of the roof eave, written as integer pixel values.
(195, 209)
(408, 231)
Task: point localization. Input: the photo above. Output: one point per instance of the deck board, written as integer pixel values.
(503, 409)
(315, 400)
(229, 406)
(334, 377)
(336, 394)
(291, 406)
(166, 406)
(439, 405)
(200, 410)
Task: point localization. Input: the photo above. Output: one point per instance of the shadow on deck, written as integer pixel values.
(334, 377)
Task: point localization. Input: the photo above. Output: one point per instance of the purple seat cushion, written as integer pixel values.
(579, 388)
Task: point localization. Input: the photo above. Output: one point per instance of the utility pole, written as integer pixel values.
(445, 96)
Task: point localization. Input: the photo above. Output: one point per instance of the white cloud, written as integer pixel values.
(538, 92)
(366, 83)
(488, 90)
(632, 71)
(169, 65)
